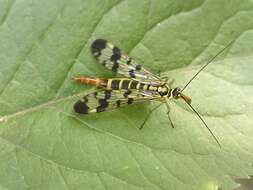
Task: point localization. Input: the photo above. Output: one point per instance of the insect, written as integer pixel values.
(138, 84)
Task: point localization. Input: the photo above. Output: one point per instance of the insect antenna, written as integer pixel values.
(210, 61)
(194, 76)
(195, 111)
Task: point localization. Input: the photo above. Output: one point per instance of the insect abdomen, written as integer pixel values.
(125, 84)
(93, 81)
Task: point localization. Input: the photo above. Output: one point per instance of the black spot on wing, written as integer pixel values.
(108, 94)
(115, 66)
(130, 100)
(115, 58)
(138, 67)
(103, 105)
(81, 107)
(116, 53)
(118, 103)
(85, 99)
(100, 109)
(127, 93)
(132, 74)
(129, 61)
(97, 46)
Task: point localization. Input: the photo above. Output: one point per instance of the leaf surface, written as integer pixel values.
(45, 145)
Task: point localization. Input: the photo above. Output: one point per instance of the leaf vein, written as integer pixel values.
(41, 37)
(7, 12)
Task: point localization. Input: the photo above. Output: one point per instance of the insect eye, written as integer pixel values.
(176, 92)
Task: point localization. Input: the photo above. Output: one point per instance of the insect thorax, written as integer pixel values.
(164, 91)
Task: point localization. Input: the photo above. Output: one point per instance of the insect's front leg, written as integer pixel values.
(168, 113)
(150, 112)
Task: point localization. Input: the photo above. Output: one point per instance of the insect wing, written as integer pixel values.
(113, 59)
(105, 100)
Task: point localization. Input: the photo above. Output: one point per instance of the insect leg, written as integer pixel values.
(146, 118)
(168, 113)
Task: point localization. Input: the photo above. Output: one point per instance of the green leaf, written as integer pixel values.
(45, 145)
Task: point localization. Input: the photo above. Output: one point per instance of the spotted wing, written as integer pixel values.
(105, 100)
(113, 59)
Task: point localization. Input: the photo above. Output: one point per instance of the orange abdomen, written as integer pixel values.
(93, 81)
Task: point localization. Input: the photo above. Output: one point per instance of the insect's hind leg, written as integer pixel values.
(150, 112)
(168, 113)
